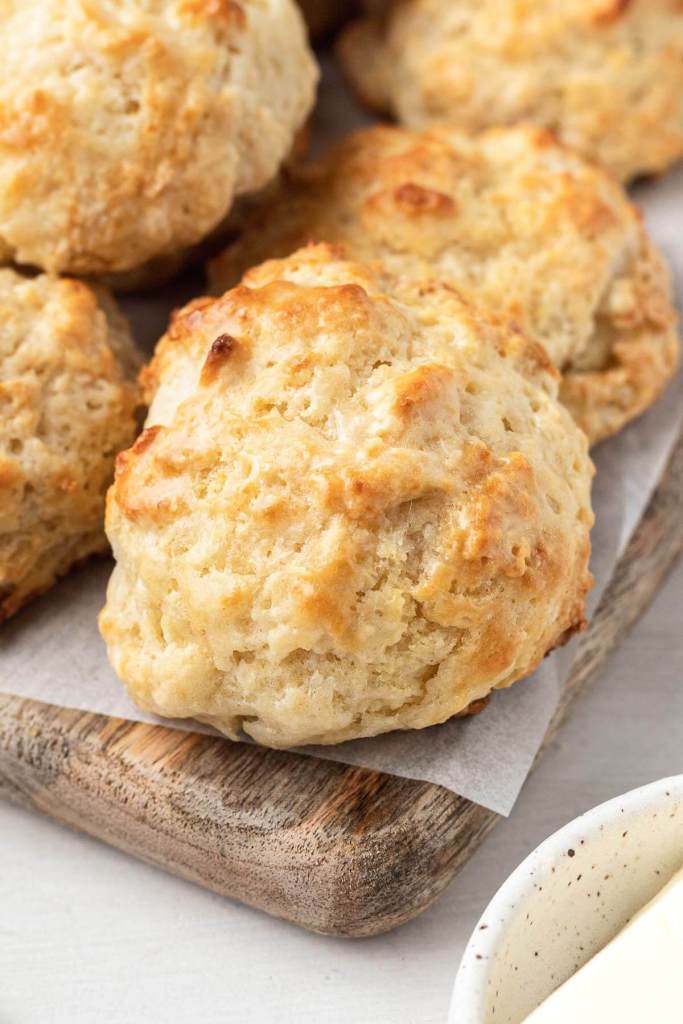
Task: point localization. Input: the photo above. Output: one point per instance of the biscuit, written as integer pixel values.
(348, 513)
(516, 222)
(605, 75)
(127, 129)
(67, 406)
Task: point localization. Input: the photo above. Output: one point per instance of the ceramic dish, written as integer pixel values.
(566, 901)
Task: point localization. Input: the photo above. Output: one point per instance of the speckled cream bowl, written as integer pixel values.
(566, 901)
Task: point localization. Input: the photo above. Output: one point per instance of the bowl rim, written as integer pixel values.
(470, 986)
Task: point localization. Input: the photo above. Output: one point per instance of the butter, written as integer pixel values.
(636, 979)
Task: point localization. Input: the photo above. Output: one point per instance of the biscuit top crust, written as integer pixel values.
(519, 224)
(605, 75)
(127, 128)
(349, 511)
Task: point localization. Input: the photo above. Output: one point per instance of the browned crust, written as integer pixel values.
(611, 11)
(391, 195)
(642, 359)
(217, 357)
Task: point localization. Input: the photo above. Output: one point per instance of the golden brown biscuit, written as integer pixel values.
(67, 406)
(349, 513)
(516, 222)
(605, 75)
(127, 129)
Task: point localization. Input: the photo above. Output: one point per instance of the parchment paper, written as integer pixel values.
(52, 651)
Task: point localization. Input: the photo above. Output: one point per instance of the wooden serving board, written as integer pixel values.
(335, 849)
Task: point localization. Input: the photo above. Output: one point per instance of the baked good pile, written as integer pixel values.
(352, 485)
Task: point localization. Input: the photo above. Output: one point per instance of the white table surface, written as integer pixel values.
(88, 935)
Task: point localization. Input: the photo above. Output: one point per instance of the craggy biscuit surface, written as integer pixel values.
(605, 75)
(127, 128)
(67, 407)
(348, 513)
(518, 223)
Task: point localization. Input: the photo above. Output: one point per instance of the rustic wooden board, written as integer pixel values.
(338, 850)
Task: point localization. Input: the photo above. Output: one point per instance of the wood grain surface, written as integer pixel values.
(338, 850)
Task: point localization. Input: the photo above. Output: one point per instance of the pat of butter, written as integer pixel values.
(636, 979)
